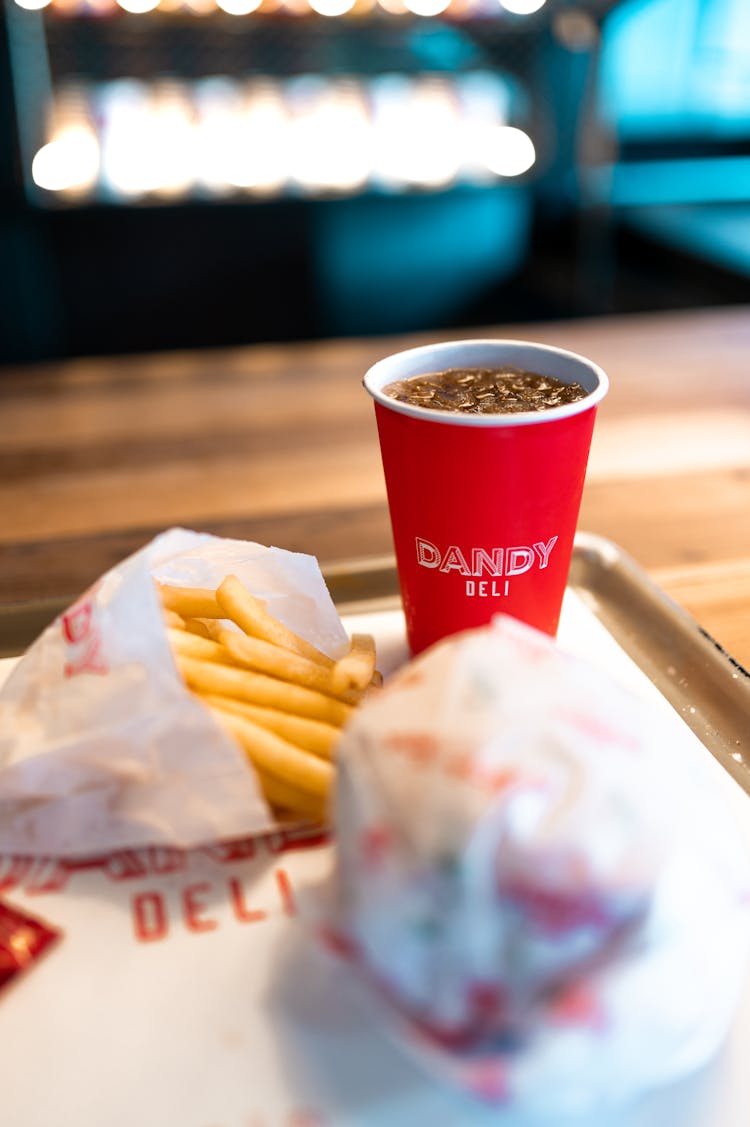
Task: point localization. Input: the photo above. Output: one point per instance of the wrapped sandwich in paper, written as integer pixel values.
(541, 899)
(102, 746)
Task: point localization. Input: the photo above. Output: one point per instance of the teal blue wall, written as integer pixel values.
(677, 67)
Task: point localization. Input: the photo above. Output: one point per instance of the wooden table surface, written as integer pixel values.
(278, 444)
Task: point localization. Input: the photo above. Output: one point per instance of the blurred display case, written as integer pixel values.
(153, 100)
(320, 166)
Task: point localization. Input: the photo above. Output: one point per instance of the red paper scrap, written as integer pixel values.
(23, 940)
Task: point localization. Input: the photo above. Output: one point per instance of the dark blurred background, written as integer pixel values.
(196, 173)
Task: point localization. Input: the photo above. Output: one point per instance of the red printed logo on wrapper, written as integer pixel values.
(376, 843)
(83, 636)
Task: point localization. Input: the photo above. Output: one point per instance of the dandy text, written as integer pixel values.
(487, 571)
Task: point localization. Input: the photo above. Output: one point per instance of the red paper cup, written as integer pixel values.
(483, 507)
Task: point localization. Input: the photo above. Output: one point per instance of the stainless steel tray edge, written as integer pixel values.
(703, 683)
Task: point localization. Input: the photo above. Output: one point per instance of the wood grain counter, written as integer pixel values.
(278, 444)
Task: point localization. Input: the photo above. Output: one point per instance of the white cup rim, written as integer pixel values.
(481, 352)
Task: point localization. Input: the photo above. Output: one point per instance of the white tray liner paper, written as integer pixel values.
(225, 1014)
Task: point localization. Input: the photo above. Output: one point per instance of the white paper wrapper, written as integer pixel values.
(534, 889)
(101, 745)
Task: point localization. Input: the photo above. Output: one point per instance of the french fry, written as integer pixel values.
(185, 644)
(282, 796)
(211, 678)
(283, 700)
(200, 626)
(173, 620)
(355, 670)
(252, 616)
(214, 627)
(313, 735)
(266, 657)
(190, 602)
(278, 758)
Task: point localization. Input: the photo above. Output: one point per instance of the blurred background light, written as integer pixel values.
(68, 163)
(393, 7)
(416, 131)
(331, 7)
(522, 7)
(258, 151)
(138, 6)
(330, 135)
(355, 9)
(509, 151)
(316, 134)
(427, 7)
(239, 7)
(198, 7)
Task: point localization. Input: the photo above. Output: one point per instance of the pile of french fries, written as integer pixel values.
(283, 700)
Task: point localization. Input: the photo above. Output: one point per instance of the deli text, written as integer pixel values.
(482, 567)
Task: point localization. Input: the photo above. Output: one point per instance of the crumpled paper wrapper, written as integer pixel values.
(542, 902)
(102, 747)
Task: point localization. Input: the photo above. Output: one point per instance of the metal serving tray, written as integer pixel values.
(704, 684)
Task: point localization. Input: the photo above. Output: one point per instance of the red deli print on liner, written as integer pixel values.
(23, 940)
(46, 874)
